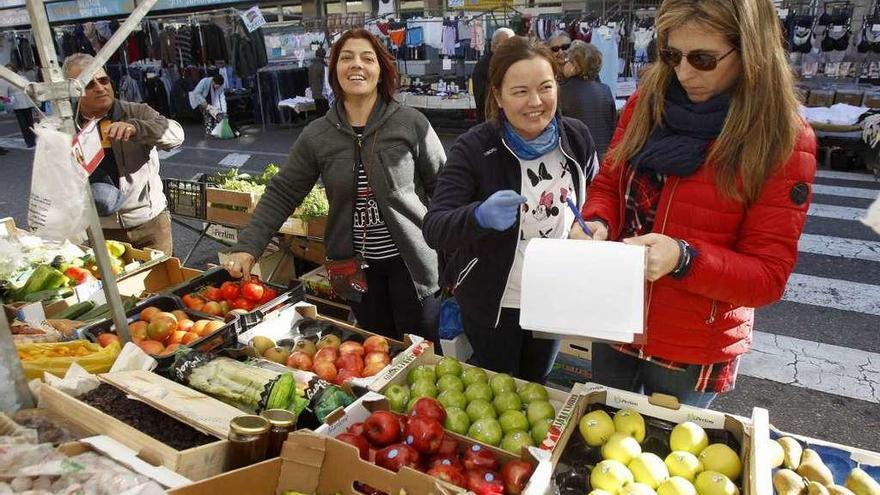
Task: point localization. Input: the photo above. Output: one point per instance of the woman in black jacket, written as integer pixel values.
(507, 181)
(583, 97)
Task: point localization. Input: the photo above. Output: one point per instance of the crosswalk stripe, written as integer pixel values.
(824, 367)
(834, 174)
(846, 192)
(836, 212)
(839, 246)
(832, 293)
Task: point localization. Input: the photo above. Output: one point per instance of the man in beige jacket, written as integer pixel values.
(126, 184)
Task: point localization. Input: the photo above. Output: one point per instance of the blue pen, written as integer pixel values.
(577, 215)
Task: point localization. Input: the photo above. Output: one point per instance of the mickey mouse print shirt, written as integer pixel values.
(546, 183)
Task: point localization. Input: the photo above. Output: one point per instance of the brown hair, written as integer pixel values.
(510, 52)
(388, 74)
(586, 57)
(762, 124)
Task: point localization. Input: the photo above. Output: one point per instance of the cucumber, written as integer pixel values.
(75, 311)
(48, 295)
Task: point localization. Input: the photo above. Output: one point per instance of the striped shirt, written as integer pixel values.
(368, 217)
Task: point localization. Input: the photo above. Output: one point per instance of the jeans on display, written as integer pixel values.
(622, 371)
(280, 84)
(510, 349)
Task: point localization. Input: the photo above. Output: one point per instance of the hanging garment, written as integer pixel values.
(397, 36)
(835, 43)
(802, 40)
(478, 36)
(183, 46)
(129, 90)
(449, 39)
(869, 42)
(606, 42)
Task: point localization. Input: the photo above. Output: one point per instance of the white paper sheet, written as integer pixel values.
(584, 288)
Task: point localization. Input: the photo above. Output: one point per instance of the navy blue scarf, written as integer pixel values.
(678, 147)
(535, 148)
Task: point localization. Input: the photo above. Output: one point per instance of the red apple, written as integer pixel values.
(424, 434)
(377, 357)
(350, 346)
(484, 482)
(351, 362)
(396, 456)
(477, 457)
(327, 354)
(430, 408)
(516, 474)
(345, 375)
(373, 368)
(446, 460)
(300, 361)
(382, 428)
(356, 429)
(358, 441)
(376, 343)
(448, 446)
(449, 474)
(326, 370)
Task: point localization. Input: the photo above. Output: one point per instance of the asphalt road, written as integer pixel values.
(816, 358)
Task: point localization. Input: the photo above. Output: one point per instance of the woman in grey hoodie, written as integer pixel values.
(378, 161)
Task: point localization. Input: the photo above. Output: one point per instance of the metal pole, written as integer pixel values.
(9, 359)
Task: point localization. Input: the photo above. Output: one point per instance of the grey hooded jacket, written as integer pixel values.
(406, 157)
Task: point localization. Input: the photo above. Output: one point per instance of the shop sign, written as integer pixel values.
(253, 19)
(87, 9)
(478, 4)
(14, 17)
(185, 4)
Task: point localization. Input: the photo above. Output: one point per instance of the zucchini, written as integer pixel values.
(75, 311)
(48, 295)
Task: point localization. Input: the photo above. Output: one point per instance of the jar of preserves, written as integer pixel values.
(281, 423)
(248, 441)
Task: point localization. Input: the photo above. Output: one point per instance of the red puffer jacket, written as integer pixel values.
(746, 254)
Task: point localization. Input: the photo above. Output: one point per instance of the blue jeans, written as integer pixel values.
(622, 371)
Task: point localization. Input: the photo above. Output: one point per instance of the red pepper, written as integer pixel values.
(80, 275)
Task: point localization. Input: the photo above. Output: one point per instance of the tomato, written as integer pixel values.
(193, 301)
(213, 294)
(268, 294)
(242, 303)
(252, 291)
(230, 291)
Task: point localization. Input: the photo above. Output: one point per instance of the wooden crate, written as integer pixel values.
(220, 201)
(196, 464)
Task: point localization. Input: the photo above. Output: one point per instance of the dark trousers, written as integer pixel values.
(510, 349)
(391, 306)
(622, 371)
(321, 106)
(26, 123)
(155, 234)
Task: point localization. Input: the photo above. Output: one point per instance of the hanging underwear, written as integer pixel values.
(801, 40)
(397, 36)
(868, 44)
(831, 44)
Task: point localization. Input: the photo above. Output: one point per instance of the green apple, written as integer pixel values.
(480, 409)
(486, 430)
(450, 382)
(478, 390)
(514, 441)
(715, 483)
(649, 469)
(457, 420)
(448, 365)
(676, 485)
(610, 476)
(452, 398)
(507, 401)
(531, 392)
(596, 427)
(539, 430)
(398, 396)
(411, 403)
(513, 420)
(423, 372)
(630, 422)
(621, 447)
(688, 436)
(423, 388)
(721, 458)
(473, 375)
(636, 489)
(540, 409)
(502, 382)
(600, 492)
(684, 465)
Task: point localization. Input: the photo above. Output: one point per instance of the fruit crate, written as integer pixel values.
(186, 198)
(215, 277)
(573, 458)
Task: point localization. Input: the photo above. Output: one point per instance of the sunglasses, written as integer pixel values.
(560, 47)
(103, 81)
(698, 60)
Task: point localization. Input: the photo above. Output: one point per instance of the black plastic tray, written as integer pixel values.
(214, 277)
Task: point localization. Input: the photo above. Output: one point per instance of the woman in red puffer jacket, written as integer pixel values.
(711, 168)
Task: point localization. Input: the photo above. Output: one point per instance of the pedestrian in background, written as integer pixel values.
(316, 82)
(559, 43)
(23, 107)
(583, 97)
(480, 75)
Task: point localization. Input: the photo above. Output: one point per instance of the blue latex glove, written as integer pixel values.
(499, 211)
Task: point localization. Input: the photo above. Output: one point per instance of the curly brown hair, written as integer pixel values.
(586, 58)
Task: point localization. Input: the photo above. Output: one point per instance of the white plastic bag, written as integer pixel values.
(872, 218)
(58, 201)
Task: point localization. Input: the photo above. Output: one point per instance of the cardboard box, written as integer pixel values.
(579, 348)
(821, 98)
(308, 249)
(849, 96)
(315, 464)
(313, 228)
(569, 370)
(196, 463)
(459, 347)
(667, 408)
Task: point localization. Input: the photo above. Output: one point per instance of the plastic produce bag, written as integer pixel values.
(872, 217)
(59, 200)
(451, 325)
(56, 358)
(223, 130)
